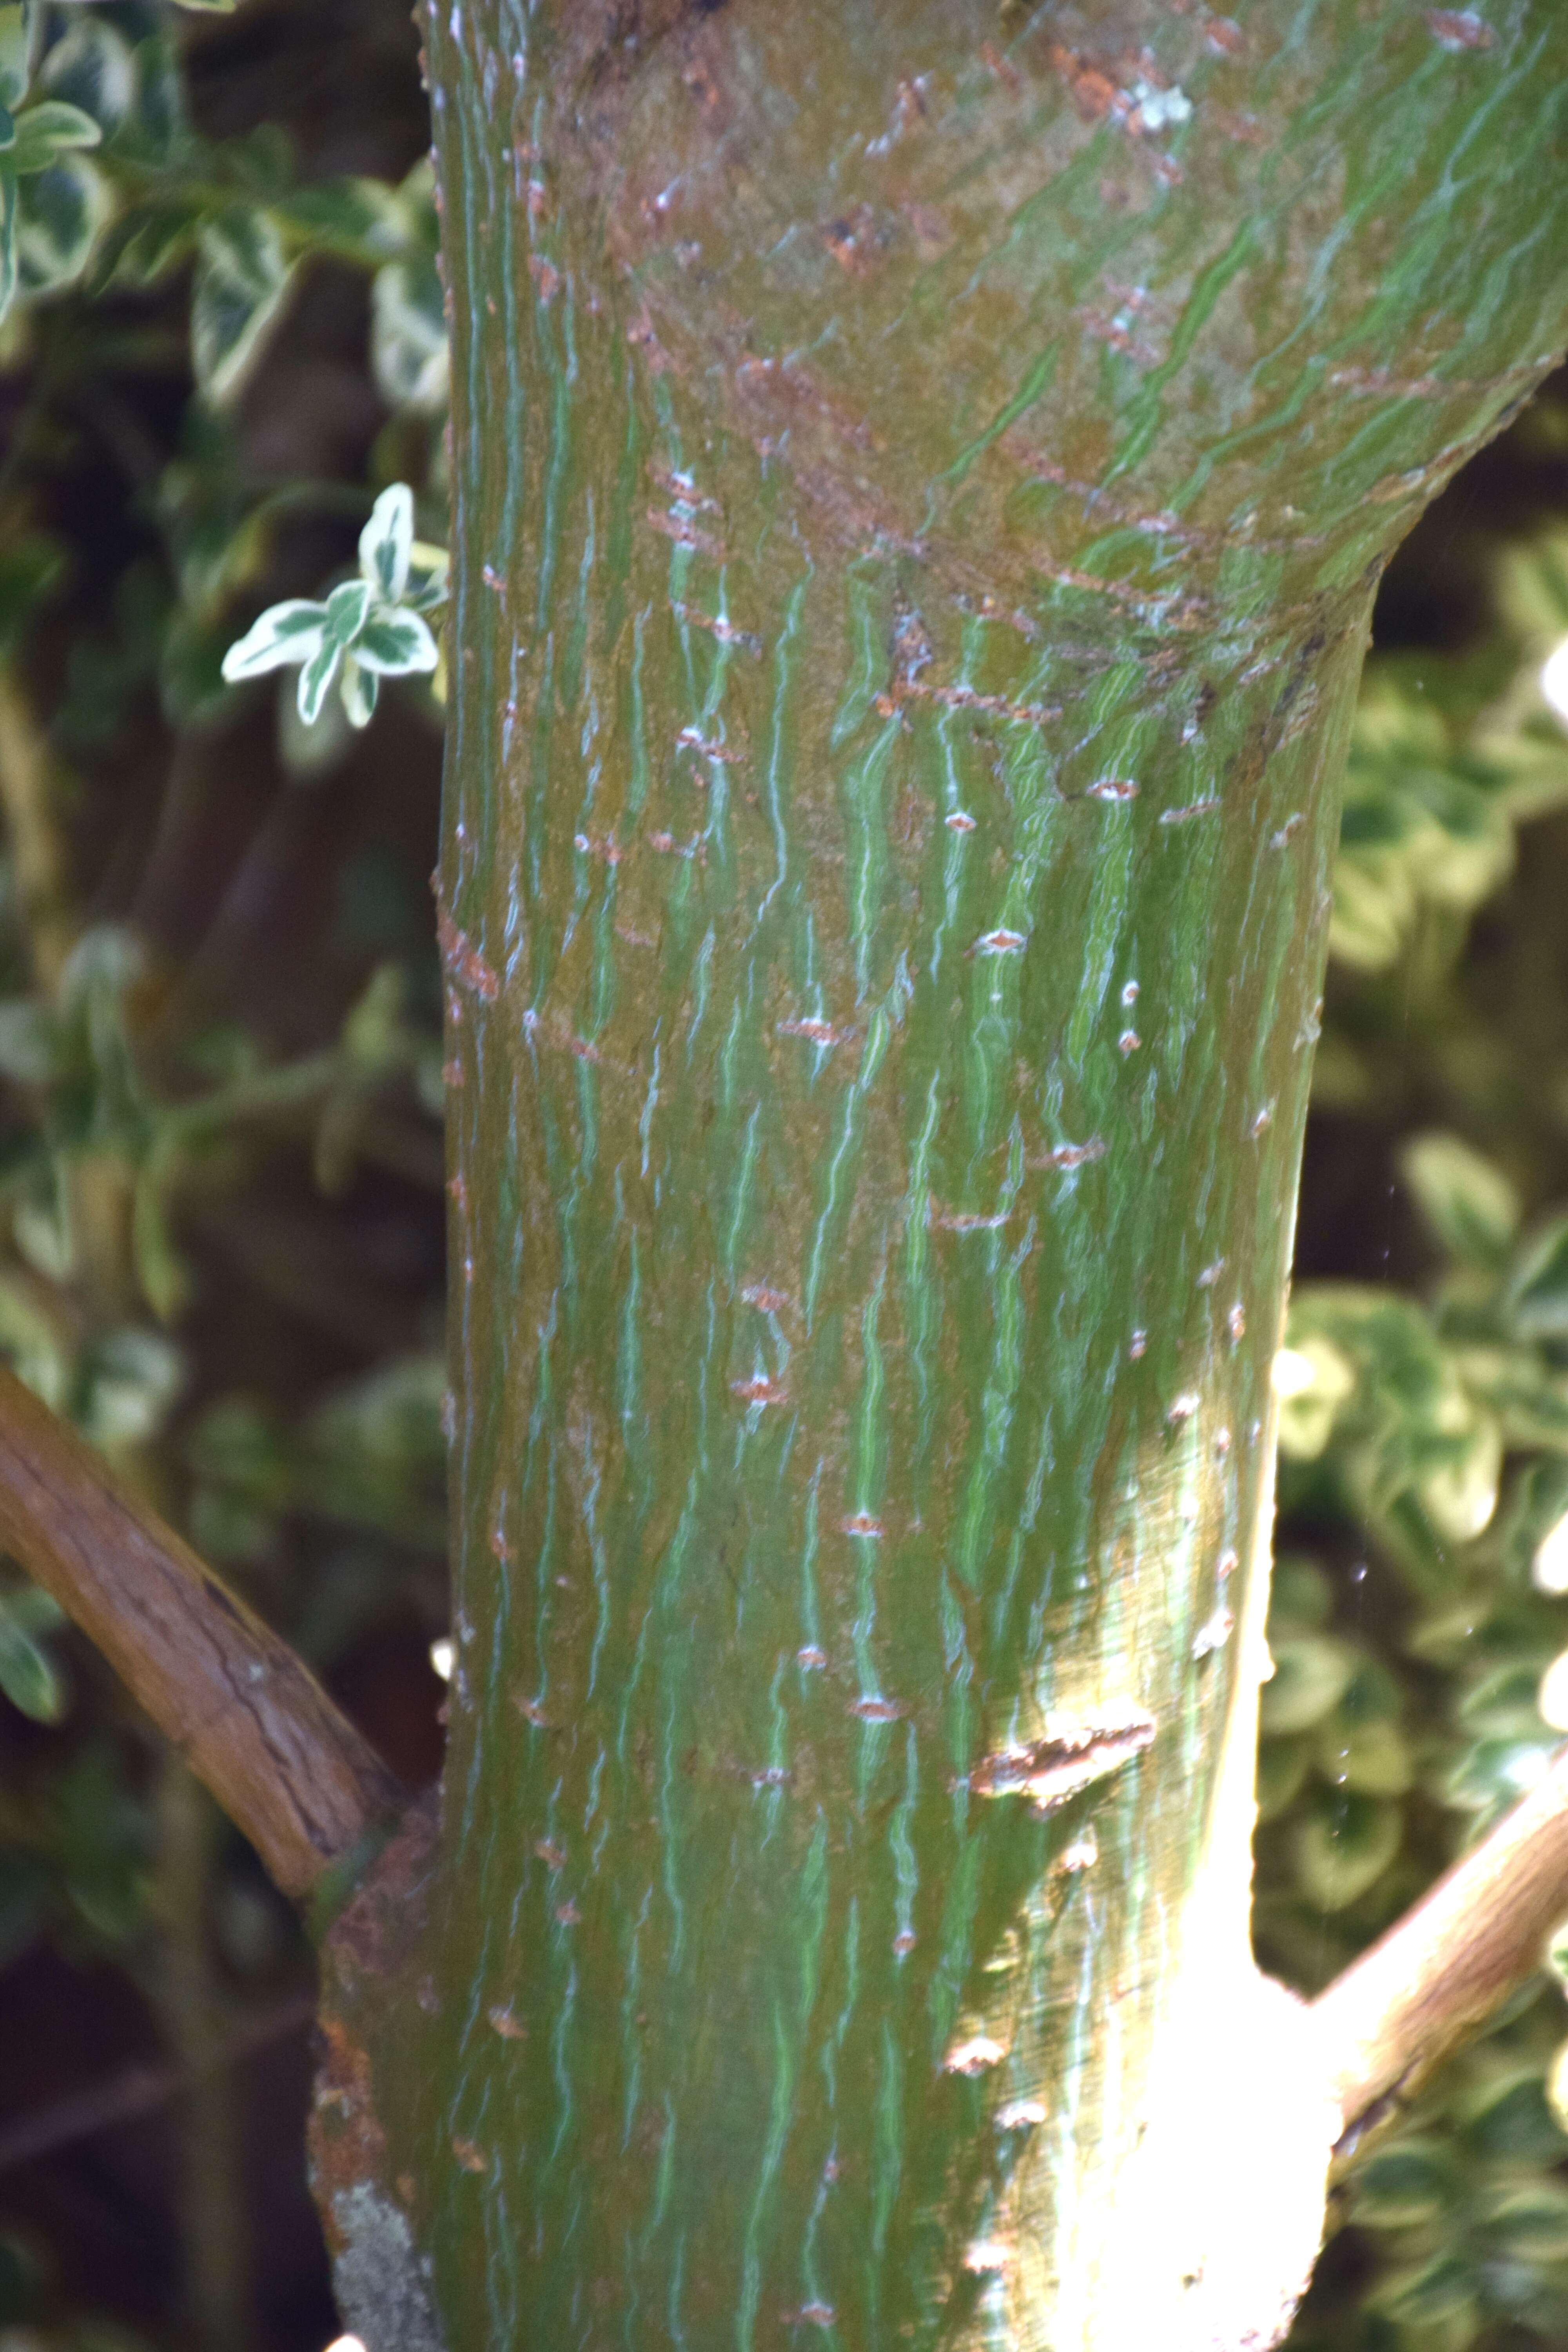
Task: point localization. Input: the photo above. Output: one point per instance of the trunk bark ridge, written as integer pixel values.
(919, 479)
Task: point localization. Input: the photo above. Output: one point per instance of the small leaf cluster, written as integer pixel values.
(365, 630)
(53, 200)
(1437, 1431)
(95, 1108)
(1410, 1407)
(1413, 1700)
(1438, 788)
(369, 1453)
(157, 198)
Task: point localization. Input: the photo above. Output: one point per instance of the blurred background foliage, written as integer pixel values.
(221, 1214)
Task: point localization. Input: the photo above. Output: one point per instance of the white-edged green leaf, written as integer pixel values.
(1404, 2185)
(360, 218)
(1432, 2294)
(1532, 587)
(160, 117)
(1506, 2117)
(358, 688)
(49, 128)
(1312, 1380)
(1300, 1596)
(145, 243)
(130, 1382)
(1528, 2221)
(290, 631)
(1344, 1843)
(58, 216)
(160, 1272)
(1536, 1538)
(386, 542)
(38, 1351)
(1538, 1294)
(395, 643)
(27, 1042)
(242, 281)
(13, 55)
(1502, 1704)
(1491, 1773)
(408, 335)
(1467, 1204)
(1312, 1674)
(1282, 1767)
(316, 677)
(41, 1229)
(93, 66)
(1370, 1758)
(28, 1675)
(345, 612)
(1457, 1476)
(209, 8)
(1556, 1954)
(427, 570)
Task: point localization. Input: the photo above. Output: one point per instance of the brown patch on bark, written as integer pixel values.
(853, 241)
(458, 953)
(931, 230)
(781, 397)
(1458, 28)
(362, 1958)
(1239, 127)
(1093, 91)
(685, 533)
(1006, 73)
(1111, 331)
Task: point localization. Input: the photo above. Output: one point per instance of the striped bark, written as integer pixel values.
(920, 477)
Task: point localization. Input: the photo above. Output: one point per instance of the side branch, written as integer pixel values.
(1445, 1967)
(253, 1724)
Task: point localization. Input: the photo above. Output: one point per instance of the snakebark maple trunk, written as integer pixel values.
(920, 475)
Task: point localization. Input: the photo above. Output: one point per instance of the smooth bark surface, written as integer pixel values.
(919, 479)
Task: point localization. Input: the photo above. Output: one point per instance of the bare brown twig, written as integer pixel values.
(1450, 1963)
(253, 1725)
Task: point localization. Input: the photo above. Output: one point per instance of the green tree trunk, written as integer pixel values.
(920, 477)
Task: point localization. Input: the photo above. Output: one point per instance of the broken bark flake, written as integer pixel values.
(1069, 1758)
(1071, 1155)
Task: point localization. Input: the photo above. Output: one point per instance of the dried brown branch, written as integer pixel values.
(1448, 1965)
(253, 1724)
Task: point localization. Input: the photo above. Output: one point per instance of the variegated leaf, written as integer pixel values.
(395, 643)
(385, 542)
(287, 633)
(49, 130)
